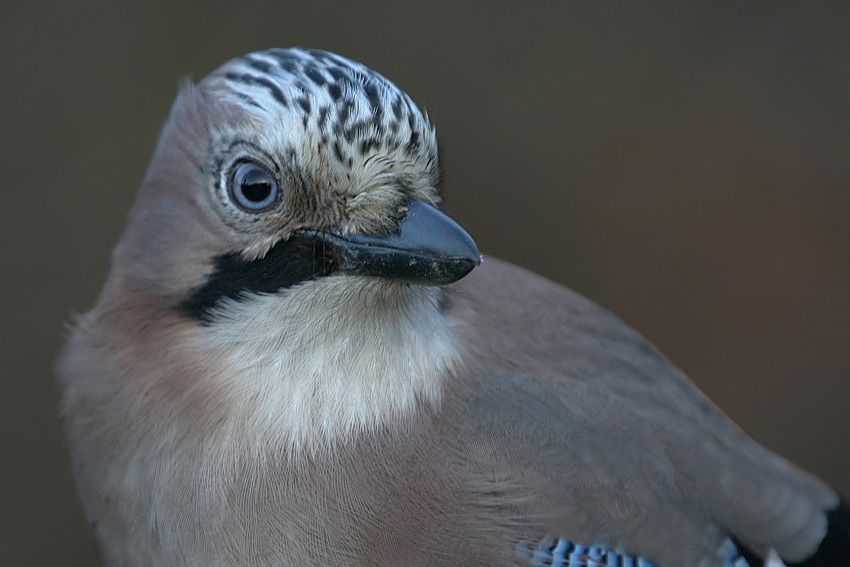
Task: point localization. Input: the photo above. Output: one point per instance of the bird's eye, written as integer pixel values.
(252, 186)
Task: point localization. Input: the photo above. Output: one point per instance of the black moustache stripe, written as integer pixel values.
(289, 262)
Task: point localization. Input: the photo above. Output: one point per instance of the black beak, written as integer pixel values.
(429, 248)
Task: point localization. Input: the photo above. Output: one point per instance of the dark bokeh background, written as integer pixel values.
(684, 164)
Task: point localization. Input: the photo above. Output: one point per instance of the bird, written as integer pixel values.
(298, 358)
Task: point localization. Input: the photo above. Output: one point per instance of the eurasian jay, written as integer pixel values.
(297, 360)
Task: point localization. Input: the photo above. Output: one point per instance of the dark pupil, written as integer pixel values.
(255, 185)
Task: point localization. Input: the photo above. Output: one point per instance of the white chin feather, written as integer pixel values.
(330, 358)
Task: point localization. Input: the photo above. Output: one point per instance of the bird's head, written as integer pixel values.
(283, 167)
(284, 257)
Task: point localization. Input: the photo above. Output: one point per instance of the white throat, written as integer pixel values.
(330, 358)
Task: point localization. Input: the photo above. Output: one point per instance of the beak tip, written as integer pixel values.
(465, 258)
(429, 248)
(471, 254)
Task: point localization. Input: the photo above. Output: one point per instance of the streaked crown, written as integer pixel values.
(330, 106)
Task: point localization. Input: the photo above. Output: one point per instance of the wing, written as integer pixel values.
(613, 443)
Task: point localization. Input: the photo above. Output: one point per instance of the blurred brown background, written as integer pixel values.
(686, 164)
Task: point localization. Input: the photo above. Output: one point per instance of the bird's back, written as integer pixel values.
(609, 441)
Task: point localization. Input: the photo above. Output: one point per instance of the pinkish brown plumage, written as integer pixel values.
(289, 365)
